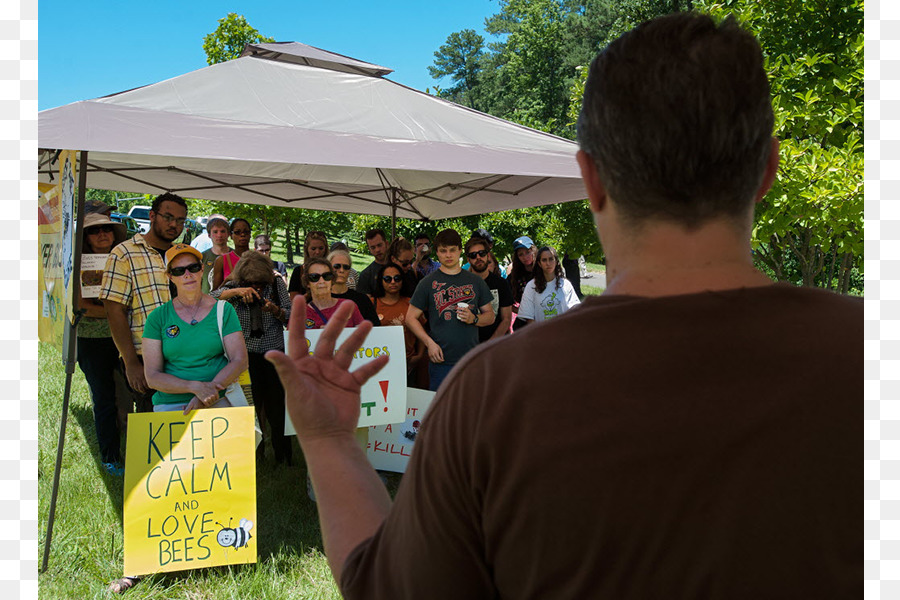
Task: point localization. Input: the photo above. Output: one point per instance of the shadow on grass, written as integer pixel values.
(84, 417)
(288, 519)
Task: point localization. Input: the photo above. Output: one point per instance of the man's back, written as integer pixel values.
(704, 445)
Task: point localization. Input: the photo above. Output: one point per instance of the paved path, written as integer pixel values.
(594, 279)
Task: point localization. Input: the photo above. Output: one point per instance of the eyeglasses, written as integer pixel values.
(100, 229)
(179, 271)
(477, 253)
(395, 278)
(314, 277)
(240, 232)
(172, 218)
(340, 267)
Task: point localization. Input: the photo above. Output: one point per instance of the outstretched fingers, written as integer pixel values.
(366, 371)
(344, 355)
(334, 327)
(297, 328)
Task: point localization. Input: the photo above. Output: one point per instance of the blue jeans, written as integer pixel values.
(436, 374)
(98, 359)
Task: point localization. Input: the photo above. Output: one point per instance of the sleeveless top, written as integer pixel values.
(228, 262)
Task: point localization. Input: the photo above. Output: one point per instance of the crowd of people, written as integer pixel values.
(446, 307)
(180, 323)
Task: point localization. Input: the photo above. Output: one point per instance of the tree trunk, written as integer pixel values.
(830, 276)
(289, 248)
(846, 268)
(296, 240)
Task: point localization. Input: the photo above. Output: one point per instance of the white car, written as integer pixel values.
(141, 214)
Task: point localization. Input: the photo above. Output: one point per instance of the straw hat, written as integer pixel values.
(95, 219)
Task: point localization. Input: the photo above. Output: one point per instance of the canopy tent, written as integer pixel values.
(292, 125)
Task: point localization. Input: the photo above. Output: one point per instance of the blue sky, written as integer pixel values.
(100, 47)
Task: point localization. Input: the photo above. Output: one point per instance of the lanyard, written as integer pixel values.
(319, 312)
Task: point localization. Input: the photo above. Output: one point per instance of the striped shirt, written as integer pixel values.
(135, 275)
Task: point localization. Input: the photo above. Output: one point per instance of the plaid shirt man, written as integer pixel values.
(135, 276)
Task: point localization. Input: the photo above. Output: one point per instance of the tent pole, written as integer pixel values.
(69, 338)
(394, 201)
(56, 471)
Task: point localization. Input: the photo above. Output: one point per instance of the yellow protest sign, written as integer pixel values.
(190, 490)
(383, 397)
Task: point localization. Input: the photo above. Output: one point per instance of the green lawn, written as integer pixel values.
(86, 552)
(360, 261)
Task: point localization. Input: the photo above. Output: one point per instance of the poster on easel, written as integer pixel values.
(383, 397)
(190, 490)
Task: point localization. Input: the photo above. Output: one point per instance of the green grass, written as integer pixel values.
(360, 260)
(86, 551)
(590, 290)
(595, 267)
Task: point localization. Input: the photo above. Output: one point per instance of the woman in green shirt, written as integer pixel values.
(184, 357)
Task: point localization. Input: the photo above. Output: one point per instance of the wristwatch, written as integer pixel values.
(475, 322)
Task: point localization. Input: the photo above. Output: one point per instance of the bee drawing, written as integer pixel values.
(236, 537)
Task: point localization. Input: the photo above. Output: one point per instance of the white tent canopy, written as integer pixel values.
(328, 135)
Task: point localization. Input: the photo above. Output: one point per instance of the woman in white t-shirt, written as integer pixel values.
(549, 293)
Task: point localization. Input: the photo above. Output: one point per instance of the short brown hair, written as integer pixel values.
(370, 234)
(474, 241)
(448, 237)
(677, 117)
(254, 267)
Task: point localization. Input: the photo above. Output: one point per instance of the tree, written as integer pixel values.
(228, 40)
(460, 59)
(809, 227)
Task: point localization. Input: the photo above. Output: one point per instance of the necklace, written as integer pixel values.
(194, 321)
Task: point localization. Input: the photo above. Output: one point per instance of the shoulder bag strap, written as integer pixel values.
(220, 317)
(319, 312)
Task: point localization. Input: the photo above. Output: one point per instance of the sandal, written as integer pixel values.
(120, 586)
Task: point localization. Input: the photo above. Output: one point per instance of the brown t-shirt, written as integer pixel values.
(698, 446)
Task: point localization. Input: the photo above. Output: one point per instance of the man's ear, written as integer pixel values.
(595, 190)
(770, 173)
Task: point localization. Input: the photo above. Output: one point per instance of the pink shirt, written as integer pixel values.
(316, 319)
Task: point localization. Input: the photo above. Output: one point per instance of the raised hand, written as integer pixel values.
(321, 394)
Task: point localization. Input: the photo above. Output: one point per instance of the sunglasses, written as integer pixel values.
(179, 271)
(241, 232)
(340, 267)
(405, 263)
(100, 229)
(477, 253)
(395, 278)
(314, 277)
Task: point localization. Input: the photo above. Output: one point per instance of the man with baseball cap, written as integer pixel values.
(135, 283)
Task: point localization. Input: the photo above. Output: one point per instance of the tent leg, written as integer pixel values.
(56, 471)
(394, 201)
